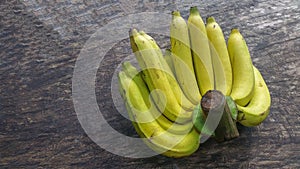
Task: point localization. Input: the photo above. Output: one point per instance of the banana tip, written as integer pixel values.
(210, 19)
(175, 13)
(194, 9)
(133, 31)
(235, 30)
(125, 64)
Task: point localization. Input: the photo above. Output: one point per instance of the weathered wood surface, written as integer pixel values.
(41, 40)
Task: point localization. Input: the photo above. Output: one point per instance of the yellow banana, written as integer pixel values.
(155, 137)
(259, 107)
(165, 123)
(200, 51)
(220, 57)
(182, 100)
(182, 59)
(149, 61)
(242, 68)
(168, 58)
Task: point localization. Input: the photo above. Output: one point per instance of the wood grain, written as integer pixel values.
(41, 40)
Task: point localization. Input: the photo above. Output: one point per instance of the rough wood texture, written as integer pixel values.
(39, 44)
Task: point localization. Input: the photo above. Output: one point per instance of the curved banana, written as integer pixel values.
(165, 123)
(259, 107)
(182, 100)
(220, 57)
(242, 68)
(200, 51)
(155, 136)
(182, 58)
(149, 61)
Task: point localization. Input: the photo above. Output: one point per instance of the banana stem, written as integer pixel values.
(226, 129)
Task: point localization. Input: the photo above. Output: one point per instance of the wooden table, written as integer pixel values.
(40, 42)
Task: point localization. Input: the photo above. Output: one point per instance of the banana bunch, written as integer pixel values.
(162, 98)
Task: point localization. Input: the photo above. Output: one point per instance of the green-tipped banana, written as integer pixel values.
(221, 61)
(242, 68)
(149, 61)
(155, 136)
(200, 51)
(182, 100)
(259, 107)
(165, 123)
(182, 58)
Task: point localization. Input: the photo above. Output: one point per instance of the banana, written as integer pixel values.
(259, 107)
(242, 68)
(200, 51)
(220, 57)
(182, 60)
(182, 100)
(153, 134)
(149, 61)
(165, 123)
(168, 58)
